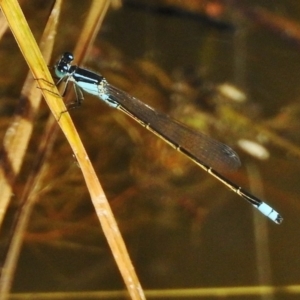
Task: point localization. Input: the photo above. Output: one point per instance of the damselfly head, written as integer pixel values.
(62, 67)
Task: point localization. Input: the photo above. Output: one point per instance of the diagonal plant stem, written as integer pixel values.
(15, 145)
(37, 65)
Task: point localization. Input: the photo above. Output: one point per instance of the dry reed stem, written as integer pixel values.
(16, 143)
(37, 65)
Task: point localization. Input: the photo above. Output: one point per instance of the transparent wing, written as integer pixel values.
(196, 145)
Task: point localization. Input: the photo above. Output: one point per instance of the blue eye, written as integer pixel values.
(61, 70)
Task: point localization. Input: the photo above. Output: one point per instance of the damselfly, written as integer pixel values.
(208, 153)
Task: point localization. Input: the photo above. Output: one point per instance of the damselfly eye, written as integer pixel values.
(68, 57)
(61, 70)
